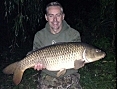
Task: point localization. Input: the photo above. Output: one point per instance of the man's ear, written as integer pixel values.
(46, 17)
(63, 16)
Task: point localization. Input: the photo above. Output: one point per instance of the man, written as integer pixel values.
(56, 30)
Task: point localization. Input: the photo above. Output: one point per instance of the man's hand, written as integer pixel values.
(38, 67)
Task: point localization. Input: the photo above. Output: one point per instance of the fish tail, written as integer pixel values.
(10, 68)
(18, 76)
(16, 71)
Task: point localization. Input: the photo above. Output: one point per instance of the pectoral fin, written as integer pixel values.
(18, 76)
(78, 64)
(61, 72)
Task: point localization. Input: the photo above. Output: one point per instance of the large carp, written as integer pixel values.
(57, 57)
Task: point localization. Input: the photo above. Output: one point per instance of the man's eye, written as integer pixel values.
(58, 15)
(50, 16)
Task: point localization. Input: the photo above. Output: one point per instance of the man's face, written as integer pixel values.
(54, 16)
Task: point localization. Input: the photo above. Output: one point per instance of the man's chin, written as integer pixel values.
(55, 28)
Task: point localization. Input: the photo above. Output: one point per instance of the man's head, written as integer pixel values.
(54, 15)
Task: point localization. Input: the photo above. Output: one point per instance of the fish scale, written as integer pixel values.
(57, 57)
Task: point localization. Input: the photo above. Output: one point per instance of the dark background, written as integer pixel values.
(94, 19)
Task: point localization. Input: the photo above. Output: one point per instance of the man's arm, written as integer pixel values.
(36, 45)
(75, 36)
(37, 42)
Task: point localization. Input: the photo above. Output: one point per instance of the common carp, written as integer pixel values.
(57, 57)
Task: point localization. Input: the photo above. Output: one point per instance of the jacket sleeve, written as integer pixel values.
(75, 36)
(37, 42)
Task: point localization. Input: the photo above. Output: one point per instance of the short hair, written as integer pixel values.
(54, 4)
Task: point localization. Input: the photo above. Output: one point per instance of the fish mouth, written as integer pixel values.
(104, 54)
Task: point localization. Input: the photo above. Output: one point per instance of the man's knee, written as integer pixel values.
(66, 82)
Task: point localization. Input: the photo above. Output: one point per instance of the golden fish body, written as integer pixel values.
(57, 57)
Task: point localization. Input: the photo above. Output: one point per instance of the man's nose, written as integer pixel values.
(55, 18)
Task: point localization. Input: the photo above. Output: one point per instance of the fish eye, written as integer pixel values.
(97, 50)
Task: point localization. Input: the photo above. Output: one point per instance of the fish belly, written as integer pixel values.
(58, 64)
